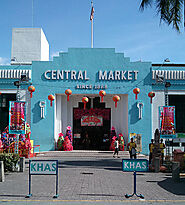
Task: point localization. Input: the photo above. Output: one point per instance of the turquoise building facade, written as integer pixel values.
(86, 71)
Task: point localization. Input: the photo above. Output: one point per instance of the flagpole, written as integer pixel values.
(92, 33)
(32, 13)
(184, 14)
(92, 27)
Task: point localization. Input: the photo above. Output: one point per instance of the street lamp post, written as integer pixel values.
(23, 78)
(167, 85)
(161, 79)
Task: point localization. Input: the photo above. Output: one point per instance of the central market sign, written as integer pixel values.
(116, 75)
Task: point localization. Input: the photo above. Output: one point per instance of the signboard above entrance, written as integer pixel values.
(91, 121)
(116, 75)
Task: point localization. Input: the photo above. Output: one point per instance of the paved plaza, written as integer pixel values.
(91, 177)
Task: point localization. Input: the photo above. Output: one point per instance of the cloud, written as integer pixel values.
(4, 61)
(56, 53)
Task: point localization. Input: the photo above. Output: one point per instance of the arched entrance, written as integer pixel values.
(91, 126)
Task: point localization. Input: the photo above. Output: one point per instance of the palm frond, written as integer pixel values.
(163, 9)
(170, 11)
(176, 13)
(145, 4)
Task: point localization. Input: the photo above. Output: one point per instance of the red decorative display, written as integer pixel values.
(17, 117)
(31, 89)
(51, 98)
(79, 113)
(121, 142)
(67, 144)
(136, 91)
(92, 121)
(102, 93)
(68, 92)
(151, 95)
(116, 98)
(7, 142)
(112, 145)
(167, 121)
(60, 141)
(85, 100)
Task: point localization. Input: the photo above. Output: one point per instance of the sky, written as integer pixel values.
(118, 24)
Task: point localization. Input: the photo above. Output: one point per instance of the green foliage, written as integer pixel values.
(170, 11)
(10, 160)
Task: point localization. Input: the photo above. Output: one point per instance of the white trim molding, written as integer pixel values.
(169, 74)
(14, 74)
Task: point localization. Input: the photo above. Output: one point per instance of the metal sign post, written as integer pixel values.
(133, 165)
(138, 195)
(43, 167)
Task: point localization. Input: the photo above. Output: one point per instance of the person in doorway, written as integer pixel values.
(132, 148)
(112, 138)
(151, 147)
(86, 141)
(162, 147)
(116, 145)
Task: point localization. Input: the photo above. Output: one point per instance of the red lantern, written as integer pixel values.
(102, 93)
(85, 100)
(136, 91)
(51, 98)
(31, 89)
(68, 92)
(151, 95)
(116, 98)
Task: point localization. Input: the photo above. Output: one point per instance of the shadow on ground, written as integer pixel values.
(106, 195)
(173, 187)
(12, 195)
(108, 164)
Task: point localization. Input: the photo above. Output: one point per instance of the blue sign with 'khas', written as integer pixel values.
(131, 165)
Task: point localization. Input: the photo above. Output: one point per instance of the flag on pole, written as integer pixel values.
(92, 13)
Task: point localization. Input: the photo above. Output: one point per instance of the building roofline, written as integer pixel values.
(168, 65)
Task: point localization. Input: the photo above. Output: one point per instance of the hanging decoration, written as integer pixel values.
(116, 98)
(51, 98)
(17, 117)
(151, 95)
(136, 91)
(31, 89)
(68, 92)
(85, 100)
(79, 113)
(102, 93)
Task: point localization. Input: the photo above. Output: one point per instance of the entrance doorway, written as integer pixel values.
(91, 127)
(4, 109)
(179, 102)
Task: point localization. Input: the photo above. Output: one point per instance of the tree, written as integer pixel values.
(170, 11)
